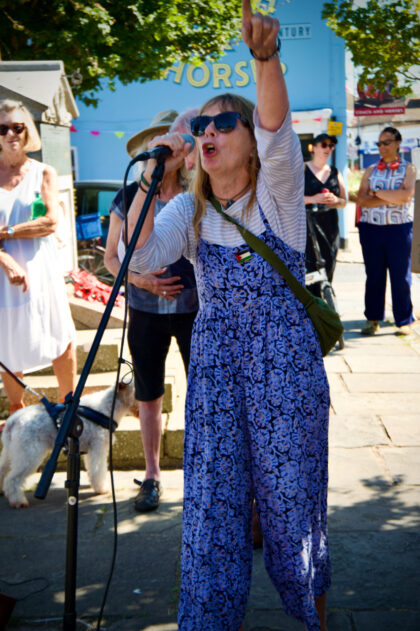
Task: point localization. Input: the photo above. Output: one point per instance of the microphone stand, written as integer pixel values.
(71, 427)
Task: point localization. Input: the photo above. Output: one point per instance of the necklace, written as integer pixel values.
(231, 200)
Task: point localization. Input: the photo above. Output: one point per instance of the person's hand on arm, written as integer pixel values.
(180, 150)
(165, 287)
(400, 195)
(320, 198)
(260, 33)
(16, 275)
(365, 197)
(41, 226)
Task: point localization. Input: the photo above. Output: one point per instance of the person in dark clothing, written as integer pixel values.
(324, 187)
(162, 305)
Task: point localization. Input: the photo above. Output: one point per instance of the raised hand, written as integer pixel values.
(259, 32)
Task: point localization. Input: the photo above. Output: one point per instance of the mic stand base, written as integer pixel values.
(72, 485)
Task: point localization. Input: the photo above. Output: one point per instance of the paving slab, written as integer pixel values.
(336, 383)
(356, 431)
(387, 620)
(334, 363)
(349, 467)
(375, 403)
(366, 350)
(404, 430)
(378, 506)
(385, 364)
(403, 463)
(368, 382)
(374, 570)
(385, 337)
(275, 620)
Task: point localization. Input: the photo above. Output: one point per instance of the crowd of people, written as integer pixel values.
(257, 405)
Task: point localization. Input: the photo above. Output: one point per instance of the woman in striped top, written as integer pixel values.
(257, 403)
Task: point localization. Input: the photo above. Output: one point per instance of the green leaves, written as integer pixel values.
(135, 41)
(383, 37)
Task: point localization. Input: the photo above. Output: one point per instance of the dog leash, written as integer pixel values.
(20, 382)
(55, 409)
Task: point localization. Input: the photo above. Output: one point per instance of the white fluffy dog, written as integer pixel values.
(30, 433)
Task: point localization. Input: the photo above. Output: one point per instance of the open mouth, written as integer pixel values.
(208, 149)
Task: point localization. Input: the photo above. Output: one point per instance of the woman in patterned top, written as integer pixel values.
(385, 229)
(257, 402)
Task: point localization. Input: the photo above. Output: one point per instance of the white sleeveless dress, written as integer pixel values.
(36, 326)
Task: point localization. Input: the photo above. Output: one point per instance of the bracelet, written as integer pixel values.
(144, 181)
(142, 189)
(276, 52)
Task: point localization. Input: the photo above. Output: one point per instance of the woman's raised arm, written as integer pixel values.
(260, 34)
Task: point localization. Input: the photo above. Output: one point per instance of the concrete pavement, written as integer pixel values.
(374, 509)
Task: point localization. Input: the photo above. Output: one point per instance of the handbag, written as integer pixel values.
(326, 321)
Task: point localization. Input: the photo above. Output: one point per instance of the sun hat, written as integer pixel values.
(161, 122)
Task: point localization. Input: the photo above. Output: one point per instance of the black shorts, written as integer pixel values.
(149, 338)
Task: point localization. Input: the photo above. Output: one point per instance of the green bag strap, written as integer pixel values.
(301, 293)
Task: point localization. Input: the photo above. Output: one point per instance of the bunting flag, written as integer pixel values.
(96, 132)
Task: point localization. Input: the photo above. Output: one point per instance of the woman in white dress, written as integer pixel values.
(35, 320)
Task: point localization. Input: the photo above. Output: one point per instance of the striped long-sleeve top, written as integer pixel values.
(280, 187)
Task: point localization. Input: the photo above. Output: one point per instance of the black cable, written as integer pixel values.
(121, 361)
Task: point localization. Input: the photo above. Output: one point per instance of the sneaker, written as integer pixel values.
(370, 327)
(403, 330)
(147, 498)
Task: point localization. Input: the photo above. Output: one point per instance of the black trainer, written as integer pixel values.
(147, 498)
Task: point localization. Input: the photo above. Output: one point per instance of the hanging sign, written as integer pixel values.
(335, 128)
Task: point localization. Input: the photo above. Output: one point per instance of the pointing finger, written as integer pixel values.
(246, 10)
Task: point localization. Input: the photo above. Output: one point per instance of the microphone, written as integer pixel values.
(162, 151)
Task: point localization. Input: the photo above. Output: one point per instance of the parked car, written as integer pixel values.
(92, 200)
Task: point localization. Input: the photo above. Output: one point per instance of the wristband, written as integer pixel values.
(146, 183)
(142, 188)
(143, 180)
(276, 52)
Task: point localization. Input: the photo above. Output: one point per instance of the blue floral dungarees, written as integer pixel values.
(256, 426)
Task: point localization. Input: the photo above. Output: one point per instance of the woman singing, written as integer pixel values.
(258, 401)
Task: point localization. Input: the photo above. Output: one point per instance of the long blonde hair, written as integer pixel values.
(33, 141)
(201, 185)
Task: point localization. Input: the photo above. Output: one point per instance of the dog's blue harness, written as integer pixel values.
(55, 410)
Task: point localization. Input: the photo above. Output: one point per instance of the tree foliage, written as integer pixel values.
(108, 39)
(383, 37)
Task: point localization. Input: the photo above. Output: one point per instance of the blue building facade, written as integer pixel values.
(314, 68)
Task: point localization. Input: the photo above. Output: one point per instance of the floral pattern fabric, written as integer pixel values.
(256, 426)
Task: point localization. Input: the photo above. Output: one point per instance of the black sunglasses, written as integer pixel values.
(224, 122)
(16, 128)
(385, 142)
(324, 145)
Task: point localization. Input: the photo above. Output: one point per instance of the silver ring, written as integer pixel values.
(164, 292)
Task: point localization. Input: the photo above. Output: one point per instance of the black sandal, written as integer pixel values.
(147, 498)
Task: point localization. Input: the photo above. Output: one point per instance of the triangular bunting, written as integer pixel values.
(73, 128)
(95, 133)
(119, 134)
